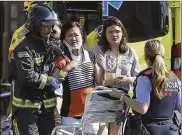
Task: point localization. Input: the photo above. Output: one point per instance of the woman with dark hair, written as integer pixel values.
(80, 79)
(117, 63)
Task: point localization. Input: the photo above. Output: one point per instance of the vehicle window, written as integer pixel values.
(142, 19)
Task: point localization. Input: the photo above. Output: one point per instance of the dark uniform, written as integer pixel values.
(159, 118)
(34, 100)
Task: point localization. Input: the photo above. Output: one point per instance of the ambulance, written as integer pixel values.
(143, 20)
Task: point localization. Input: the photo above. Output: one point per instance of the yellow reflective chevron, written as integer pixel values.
(43, 81)
(16, 130)
(18, 102)
(39, 60)
(15, 39)
(49, 102)
(63, 73)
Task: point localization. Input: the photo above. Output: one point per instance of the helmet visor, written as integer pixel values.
(50, 23)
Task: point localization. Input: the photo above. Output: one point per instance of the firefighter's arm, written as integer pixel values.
(13, 44)
(64, 66)
(27, 75)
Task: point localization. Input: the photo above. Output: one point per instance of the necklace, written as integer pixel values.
(111, 61)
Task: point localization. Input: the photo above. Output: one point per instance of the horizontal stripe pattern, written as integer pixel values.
(81, 77)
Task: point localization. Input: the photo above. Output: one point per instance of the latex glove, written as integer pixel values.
(59, 91)
(56, 83)
(59, 80)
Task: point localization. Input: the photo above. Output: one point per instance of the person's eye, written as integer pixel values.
(68, 35)
(118, 31)
(54, 31)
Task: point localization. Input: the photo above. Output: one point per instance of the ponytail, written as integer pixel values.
(160, 74)
(154, 52)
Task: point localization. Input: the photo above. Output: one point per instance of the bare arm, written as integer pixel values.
(136, 106)
(99, 75)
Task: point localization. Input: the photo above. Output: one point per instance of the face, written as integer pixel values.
(74, 38)
(45, 31)
(114, 35)
(55, 34)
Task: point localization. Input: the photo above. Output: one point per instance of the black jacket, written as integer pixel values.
(33, 76)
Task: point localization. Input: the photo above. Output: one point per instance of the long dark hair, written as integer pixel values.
(123, 47)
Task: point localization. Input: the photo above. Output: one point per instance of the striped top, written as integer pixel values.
(76, 87)
(81, 77)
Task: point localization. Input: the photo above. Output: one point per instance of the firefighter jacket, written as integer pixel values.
(33, 76)
(16, 39)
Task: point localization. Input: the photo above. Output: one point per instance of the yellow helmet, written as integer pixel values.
(28, 5)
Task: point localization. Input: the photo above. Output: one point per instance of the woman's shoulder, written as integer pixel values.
(132, 51)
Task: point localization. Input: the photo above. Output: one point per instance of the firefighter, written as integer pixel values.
(34, 99)
(93, 38)
(16, 39)
(157, 95)
(28, 5)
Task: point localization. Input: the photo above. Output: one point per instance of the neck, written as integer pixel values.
(75, 52)
(114, 49)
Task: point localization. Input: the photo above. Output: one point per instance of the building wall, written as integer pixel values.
(13, 17)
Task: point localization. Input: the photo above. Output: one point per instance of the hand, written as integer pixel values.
(70, 66)
(117, 93)
(56, 83)
(123, 80)
(101, 62)
(59, 80)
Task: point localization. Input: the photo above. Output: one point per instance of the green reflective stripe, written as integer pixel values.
(25, 104)
(28, 104)
(15, 127)
(38, 60)
(50, 102)
(63, 73)
(43, 81)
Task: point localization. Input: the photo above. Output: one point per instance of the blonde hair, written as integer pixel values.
(154, 55)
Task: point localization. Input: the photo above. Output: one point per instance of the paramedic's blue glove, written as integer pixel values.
(56, 83)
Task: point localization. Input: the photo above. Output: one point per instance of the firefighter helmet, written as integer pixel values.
(41, 15)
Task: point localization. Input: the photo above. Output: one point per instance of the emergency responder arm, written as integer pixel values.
(141, 103)
(12, 46)
(27, 75)
(143, 89)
